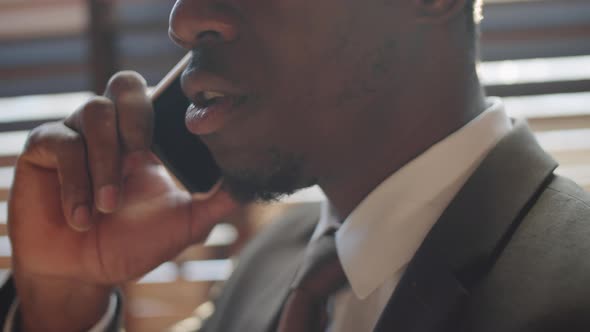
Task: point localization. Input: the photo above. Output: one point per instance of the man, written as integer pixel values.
(446, 214)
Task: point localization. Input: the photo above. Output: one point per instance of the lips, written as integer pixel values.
(214, 101)
(206, 116)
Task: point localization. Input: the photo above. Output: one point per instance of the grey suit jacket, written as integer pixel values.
(510, 253)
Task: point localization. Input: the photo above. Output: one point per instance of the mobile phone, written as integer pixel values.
(184, 155)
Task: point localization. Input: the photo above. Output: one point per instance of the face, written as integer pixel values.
(293, 85)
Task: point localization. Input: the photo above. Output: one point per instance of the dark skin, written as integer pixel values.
(346, 84)
(340, 94)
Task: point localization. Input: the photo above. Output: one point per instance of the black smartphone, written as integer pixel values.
(181, 152)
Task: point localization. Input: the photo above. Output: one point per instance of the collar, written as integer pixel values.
(383, 232)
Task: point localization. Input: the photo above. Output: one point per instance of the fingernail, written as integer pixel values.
(108, 198)
(81, 218)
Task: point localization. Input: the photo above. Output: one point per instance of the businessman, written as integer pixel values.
(442, 213)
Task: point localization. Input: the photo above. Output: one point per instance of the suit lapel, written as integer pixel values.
(254, 295)
(470, 235)
(276, 298)
(425, 297)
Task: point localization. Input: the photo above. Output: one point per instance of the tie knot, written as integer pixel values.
(320, 273)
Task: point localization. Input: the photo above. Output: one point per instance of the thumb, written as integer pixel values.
(208, 210)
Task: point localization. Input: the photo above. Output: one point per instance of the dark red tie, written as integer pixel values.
(318, 277)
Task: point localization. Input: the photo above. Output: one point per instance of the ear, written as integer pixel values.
(437, 11)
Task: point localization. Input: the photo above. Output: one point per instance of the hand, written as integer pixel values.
(90, 203)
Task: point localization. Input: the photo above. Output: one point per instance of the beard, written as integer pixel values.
(280, 175)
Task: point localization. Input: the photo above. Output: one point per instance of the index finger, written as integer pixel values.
(128, 91)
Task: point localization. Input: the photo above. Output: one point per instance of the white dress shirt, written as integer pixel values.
(382, 234)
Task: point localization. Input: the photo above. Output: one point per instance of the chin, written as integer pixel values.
(268, 181)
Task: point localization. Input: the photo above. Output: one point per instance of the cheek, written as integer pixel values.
(304, 49)
(303, 69)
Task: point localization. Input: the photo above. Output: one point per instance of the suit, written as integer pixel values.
(508, 254)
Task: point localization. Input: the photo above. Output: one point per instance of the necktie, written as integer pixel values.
(318, 277)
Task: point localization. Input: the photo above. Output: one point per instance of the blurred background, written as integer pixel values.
(55, 53)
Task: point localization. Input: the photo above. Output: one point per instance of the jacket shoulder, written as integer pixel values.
(540, 280)
(562, 186)
(264, 271)
(292, 228)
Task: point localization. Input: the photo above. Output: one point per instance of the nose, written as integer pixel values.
(194, 22)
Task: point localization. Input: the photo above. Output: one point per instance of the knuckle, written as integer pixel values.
(95, 104)
(53, 139)
(34, 137)
(98, 104)
(99, 110)
(38, 136)
(124, 82)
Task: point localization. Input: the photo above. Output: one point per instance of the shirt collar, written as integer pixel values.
(384, 231)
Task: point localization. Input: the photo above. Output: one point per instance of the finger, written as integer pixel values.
(96, 121)
(207, 213)
(55, 146)
(127, 90)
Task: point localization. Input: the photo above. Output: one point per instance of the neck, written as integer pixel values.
(414, 125)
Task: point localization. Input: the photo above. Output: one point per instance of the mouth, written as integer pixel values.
(214, 102)
(206, 99)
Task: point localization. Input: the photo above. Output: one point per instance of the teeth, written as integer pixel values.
(209, 95)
